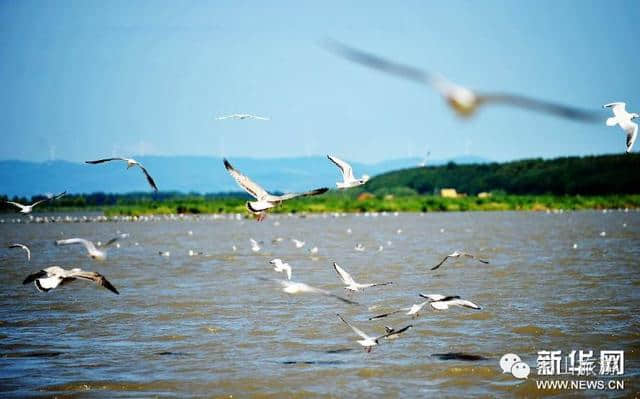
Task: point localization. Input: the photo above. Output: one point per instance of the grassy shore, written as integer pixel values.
(413, 203)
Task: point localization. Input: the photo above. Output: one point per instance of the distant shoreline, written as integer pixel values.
(341, 203)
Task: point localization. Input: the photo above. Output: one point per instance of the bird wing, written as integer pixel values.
(105, 160)
(355, 329)
(287, 268)
(464, 303)
(561, 110)
(149, 178)
(23, 247)
(111, 241)
(617, 108)
(441, 262)
(380, 316)
(16, 204)
(95, 277)
(310, 288)
(393, 331)
(253, 242)
(259, 117)
(289, 196)
(632, 133)
(34, 276)
(379, 63)
(476, 258)
(87, 244)
(344, 276)
(345, 168)
(247, 184)
(53, 198)
(438, 297)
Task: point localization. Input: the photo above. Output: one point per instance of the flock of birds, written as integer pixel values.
(463, 100)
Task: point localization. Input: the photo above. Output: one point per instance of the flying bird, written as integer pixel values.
(24, 247)
(392, 333)
(265, 200)
(255, 247)
(457, 254)
(51, 277)
(624, 119)
(350, 283)
(281, 266)
(241, 117)
(367, 341)
(348, 179)
(298, 243)
(462, 99)
(442, 302)
(25, 209)
(130, 163)
(292, 287)
(93, 252)
(412, 311)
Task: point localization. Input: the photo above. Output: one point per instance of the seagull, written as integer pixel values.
(130, 163)
(242, 116)
(25, 209)
(457, 254)
(281, 266)
(624, 120)
(367, 341)
(392, 333)
(265, 200)
(27, 250)
(94, 253)
(51, 277)
(348, 179)
(313, 251)
(350, 283)
(166, 254)
(441, 302)
(292, 287)
(254, 245)
(462, 99)
(412, 311)
(359, 247)
(298, 243)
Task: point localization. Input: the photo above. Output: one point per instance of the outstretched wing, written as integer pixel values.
(617, 108)
(105, 160)
(289, 196)
(632, 133)
(380, 316)
(149, 178)
(27, 250)
(476, 258)
(355, 329)
(561, 110)
(394, 332)
(17, 205)
(441, 262)
(32, 277)
(345, 168)
(344, 276)
(247, 184)
(465, 303)
(95, 277)
(87, 244)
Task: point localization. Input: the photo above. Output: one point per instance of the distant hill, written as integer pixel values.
(185, 174)
(592, 175)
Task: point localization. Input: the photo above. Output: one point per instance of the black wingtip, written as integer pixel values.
(106, 284)
(32, 277)
(227, 165)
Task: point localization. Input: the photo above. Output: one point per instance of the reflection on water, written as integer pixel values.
(202, 325)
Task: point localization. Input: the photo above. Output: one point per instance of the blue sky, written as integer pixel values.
(83, 79)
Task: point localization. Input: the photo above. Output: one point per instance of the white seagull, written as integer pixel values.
(51, 277)
(457, 254)
(242, 116)
(265, 200)
(442, 302)
(130, 163)
(624, 120)
(313, 251)
(26, 249)
(25, 209)
(93, 252)
(350, 283)
(254, 245)
(367, 341)
(359, 247)
(298, 243)
(348, 179)
(412, 311)
(462, 99)
(281, 266)
(292, 287)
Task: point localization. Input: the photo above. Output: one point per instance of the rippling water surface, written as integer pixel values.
(205, 325)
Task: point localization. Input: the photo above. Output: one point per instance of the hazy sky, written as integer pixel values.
(82, 79)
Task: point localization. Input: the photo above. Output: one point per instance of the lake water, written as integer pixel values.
(206, 325)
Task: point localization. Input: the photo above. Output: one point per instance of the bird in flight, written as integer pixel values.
(130, 163)
(51, 277)
(93, 252)
(348, 179)
(368, 341)
(24, 247)
(292, 287)
(624, 119)
(442, 302)
(457, 254)
(265, 200)
(242, 116)
(350, 283)
(25, 209)
(462, 99)
(280, 266)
